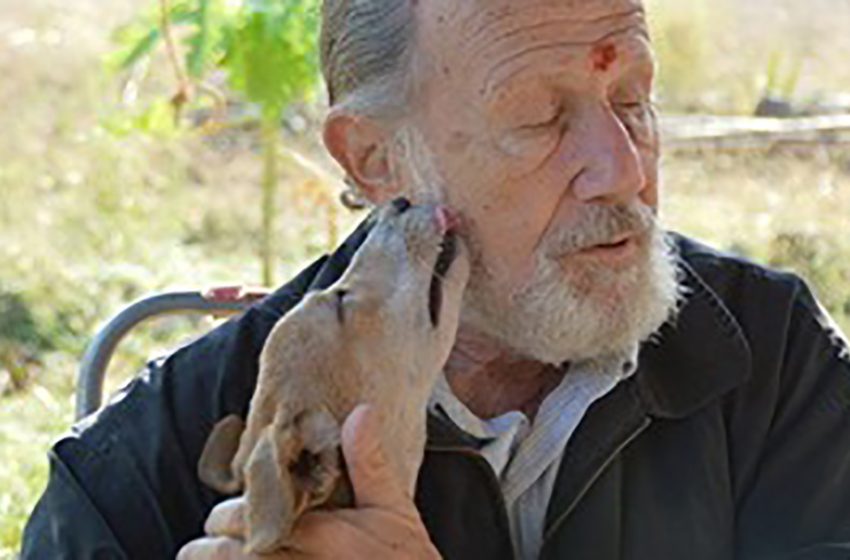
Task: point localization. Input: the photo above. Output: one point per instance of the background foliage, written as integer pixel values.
(104, 199)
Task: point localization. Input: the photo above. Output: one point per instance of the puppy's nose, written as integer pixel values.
(401, 205)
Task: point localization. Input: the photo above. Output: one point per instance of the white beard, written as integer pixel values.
(566, 312)
(568, 315)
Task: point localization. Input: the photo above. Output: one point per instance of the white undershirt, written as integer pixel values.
(525, 457)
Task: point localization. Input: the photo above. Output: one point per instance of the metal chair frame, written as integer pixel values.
(216, 302)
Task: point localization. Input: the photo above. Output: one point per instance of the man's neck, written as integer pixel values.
(492, 380)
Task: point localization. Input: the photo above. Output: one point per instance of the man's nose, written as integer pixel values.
(612, 171)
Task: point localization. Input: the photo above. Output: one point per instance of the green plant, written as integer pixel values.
(781, 78)
(267, 49)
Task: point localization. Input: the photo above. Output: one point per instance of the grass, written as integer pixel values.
(785, 209)
(90, 221)
(717, 56)
(29, 421)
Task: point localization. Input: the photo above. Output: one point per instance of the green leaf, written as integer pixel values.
(139, 39)
(142, 48)
(208, 44)
(273, 58)
(200, 42)
(267, 48)
(157, 120)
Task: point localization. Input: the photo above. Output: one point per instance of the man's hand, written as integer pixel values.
(384, 524)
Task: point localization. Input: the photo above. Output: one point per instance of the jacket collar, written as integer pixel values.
(695, 358)
(693, 361)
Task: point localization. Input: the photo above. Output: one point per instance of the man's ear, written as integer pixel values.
(362, 148)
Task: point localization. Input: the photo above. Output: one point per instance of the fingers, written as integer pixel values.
(374, 480)
(217, 548)
(225, 527)
(374, 534)
(223, 548)
(385, 524)
(393, 531)
(227, 519)
(321, 534)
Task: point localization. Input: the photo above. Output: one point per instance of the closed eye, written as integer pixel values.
(340, 305)
(637, 105)
(542, 124)
(629, 106)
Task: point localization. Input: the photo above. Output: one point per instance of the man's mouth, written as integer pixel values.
(448, 252)
(620, 241)
(619, 250)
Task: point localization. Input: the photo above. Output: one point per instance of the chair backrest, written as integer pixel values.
(217, 302)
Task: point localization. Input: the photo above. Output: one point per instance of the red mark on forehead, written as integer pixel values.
(602, 56)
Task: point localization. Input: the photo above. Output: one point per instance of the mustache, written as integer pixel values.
(598, 225)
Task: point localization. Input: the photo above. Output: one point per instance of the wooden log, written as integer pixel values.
(706, 132)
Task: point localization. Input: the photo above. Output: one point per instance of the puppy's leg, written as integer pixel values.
(295, 466)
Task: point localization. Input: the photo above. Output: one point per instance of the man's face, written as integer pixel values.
(537, 118)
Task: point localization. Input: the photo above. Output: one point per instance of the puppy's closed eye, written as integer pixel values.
(340, 305)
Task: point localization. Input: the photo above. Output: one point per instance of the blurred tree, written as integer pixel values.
(266, 52)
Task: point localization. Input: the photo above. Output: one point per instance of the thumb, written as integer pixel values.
(375, 482)
(227, 519)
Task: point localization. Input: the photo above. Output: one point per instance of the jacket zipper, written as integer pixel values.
(596, 474)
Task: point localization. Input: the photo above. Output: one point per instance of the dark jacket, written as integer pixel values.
(731, 441)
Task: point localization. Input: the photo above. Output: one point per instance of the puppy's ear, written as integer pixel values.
(293, 468)
(270, 494)
(214, 467)
(362, 147)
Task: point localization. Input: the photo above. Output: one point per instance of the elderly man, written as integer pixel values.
(614, 392)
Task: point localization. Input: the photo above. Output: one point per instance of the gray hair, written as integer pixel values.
(365, 49)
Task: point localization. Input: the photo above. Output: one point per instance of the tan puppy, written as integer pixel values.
(380, 335)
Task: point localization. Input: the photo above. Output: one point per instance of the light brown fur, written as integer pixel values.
(314, 369)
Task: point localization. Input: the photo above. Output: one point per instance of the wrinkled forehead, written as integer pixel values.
(469, 21)
(477, 12)
(485, 40)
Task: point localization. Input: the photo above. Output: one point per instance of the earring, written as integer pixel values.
(351, 197)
